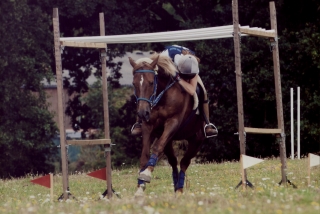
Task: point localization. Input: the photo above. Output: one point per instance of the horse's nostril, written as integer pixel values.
(140, 115)
(147, 115)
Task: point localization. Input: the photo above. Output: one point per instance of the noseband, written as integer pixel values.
(155, 82)
(154, 99)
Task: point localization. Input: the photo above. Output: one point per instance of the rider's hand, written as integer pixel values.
(177, 77)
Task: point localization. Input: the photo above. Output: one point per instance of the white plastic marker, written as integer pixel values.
(292, 134)
(313, 160)
(246, 162)
(250, 161)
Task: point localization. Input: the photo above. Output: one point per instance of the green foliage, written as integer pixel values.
(126, 148)
(302, 70)
(89, 158)
(26, 126)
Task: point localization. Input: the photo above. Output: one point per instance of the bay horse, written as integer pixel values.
(167, 113)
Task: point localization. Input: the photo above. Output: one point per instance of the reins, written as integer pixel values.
(154, 99)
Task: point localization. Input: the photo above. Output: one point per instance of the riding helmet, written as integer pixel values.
(188, 66)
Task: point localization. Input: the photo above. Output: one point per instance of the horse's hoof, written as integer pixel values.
(145, 175)
(139, 193)
(179, 192)
(144, 178)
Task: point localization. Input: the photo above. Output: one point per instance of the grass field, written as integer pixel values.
(210, 190)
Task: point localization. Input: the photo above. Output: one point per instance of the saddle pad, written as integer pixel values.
(195, 103)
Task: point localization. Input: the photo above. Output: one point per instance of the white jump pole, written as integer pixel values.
(298, 121)
(292, 134)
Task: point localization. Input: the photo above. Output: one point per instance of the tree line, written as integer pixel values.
(26, 126)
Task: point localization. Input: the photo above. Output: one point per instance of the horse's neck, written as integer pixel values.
(163, 82)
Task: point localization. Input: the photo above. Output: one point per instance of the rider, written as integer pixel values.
(187, 65)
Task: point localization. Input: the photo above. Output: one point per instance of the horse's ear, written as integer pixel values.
(155, 62)
(132, 62)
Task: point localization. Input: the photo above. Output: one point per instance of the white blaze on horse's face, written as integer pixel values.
(141, 81)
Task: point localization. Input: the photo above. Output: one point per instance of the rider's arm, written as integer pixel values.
(190, 87)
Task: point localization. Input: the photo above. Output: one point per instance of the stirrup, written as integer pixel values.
(213, 126)
(134, 125)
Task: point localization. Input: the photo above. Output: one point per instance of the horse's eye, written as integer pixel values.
(151, 83)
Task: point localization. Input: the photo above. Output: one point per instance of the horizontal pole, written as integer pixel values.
(89, 142)
(83, 44)
(179, 35)
(262, 130)
(258, 32)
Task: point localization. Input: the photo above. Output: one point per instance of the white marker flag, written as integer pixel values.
(250, 161)
(314, 160)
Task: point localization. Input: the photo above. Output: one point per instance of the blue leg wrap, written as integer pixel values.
(180, 182)
(175, 176)
(152, 161)
(140, 182)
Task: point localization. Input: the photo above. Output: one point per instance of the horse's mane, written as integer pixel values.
(164, 62)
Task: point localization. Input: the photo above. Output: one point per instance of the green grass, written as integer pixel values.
(210, 190)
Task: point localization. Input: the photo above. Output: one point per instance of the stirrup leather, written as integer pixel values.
(204, 130)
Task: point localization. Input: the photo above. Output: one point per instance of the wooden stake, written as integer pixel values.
(51, 187)
(57, 54)
(257, 32)
(277, 78)
(262, 131)
(105, 107)
(238, 72)
(89, 142)
(244, 181)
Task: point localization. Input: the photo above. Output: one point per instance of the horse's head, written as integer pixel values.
(145, 84)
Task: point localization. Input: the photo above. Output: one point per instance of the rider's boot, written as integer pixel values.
(136, 129)
(209, 129)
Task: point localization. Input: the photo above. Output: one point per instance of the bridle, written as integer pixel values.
(155, 82)
(154, 99)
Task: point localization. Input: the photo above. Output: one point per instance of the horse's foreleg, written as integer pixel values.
(169, 152)
(145, 154)
(158, 148)
(145, 175)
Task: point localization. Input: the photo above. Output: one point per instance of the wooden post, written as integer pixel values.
(244, 182)
(57, 53)
(105, 107)
(277, 78)
(236, 40)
